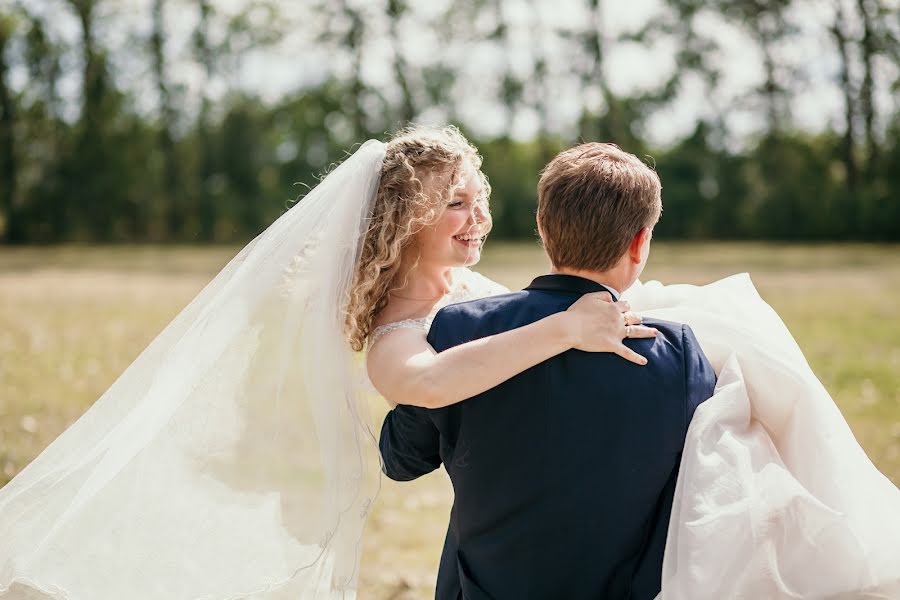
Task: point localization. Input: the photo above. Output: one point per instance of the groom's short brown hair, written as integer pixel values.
(592, 200)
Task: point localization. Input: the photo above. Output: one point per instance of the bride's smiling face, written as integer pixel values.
(456, 237)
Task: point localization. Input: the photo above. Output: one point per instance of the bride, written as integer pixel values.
(234, 459)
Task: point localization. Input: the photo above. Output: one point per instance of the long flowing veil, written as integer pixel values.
(233, 457)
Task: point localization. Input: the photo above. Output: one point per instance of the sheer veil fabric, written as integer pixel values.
(775, 497)
(233, 458)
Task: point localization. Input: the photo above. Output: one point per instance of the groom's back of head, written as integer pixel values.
(592, 200)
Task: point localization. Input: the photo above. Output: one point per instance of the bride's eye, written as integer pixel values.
(455, 204)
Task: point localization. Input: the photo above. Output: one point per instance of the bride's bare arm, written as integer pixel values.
(405, 369)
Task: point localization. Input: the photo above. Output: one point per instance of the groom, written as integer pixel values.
(563, 475)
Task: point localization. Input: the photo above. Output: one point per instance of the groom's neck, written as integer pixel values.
(614, 278)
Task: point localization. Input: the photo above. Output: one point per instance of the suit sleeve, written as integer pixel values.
(410, 443)
(440, 333)
(699, 377)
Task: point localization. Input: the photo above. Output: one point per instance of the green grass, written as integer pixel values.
(72, 318)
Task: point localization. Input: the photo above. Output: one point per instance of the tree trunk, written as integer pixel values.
(591, 128)
(866, 91)
(8, 165)
(92, 75)
(354, 42)
(206, 207)
(98, 196)
(539, 87)
(174, 213)
(771, 89)
(847, 151)
(511, 93)
(396, 10)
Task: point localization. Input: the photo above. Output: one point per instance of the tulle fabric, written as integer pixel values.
(233, 458)
(775, 497)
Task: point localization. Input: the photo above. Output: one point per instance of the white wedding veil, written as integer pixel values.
(233, 458)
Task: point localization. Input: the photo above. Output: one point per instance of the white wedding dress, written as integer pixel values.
(775, 497)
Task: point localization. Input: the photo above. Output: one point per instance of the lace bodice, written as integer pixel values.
(467, 285)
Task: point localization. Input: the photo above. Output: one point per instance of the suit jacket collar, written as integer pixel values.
(558, 282)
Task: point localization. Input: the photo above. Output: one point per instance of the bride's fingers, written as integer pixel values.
(591, 303)
(641, 331)
(623, 306)
(629, 354)
(631, 318)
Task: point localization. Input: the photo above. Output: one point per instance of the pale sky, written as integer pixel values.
(816, 101)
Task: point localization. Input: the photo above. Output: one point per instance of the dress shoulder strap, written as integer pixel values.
(423, 323)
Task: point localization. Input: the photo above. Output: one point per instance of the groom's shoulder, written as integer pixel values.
(481, 306)
(463, 321)
(677, 344)
(673, 333)
(672, 329)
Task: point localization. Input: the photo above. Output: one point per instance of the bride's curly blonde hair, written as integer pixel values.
(403, 205)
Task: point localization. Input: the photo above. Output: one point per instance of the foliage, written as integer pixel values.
(222, 168)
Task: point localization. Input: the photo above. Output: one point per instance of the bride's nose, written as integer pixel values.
(479, 213)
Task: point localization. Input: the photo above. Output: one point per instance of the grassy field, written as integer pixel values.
(71, 319)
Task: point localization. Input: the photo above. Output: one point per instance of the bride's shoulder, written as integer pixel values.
(477, 283)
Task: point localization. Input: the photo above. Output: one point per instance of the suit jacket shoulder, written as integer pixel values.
(459, 323)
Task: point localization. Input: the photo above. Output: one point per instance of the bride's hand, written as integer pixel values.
(599, 325)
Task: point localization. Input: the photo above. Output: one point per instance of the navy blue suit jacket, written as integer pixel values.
(563, 475)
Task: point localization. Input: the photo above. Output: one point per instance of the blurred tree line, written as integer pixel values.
(95, 164)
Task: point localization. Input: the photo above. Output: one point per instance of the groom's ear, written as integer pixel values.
(636, 248)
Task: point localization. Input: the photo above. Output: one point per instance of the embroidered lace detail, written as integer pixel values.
(423, 323)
